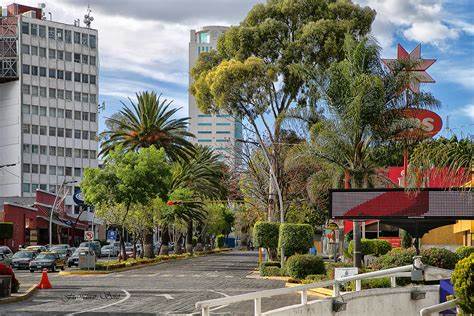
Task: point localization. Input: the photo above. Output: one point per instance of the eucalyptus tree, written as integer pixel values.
(257, 74)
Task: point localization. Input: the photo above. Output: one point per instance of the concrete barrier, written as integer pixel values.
(373, 302)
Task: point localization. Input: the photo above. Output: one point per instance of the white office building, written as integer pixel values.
(220, 131)
(48, 103)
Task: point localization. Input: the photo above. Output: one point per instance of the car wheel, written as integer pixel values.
(53, 268)
(32, 270)
(63, 267)
(69, 265)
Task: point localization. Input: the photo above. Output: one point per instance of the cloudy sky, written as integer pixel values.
(144, 44)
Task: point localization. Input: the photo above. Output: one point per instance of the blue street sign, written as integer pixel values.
(111, 235)
(77, 197)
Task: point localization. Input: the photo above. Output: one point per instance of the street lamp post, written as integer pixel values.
(52, 210)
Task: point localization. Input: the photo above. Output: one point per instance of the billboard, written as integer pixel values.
(398, 204)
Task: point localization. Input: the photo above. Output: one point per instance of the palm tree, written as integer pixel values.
(193, 181)
(148, 122)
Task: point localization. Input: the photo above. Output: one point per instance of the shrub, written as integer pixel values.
(316, 278)
(295, 238)
(300, 266)
(463, 282)
(6, 230)
(370, 284)
(407, 240)
(381, 247)
(439, 257)
(394, 258)
(265, 234)
(464, 252)
(266, 264)
(271, 271)
(220, 239)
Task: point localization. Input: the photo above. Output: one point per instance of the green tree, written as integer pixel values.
(256, 73)
(125, 180)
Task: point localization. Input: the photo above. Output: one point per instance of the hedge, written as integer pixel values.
(463, 282)
(6, 230)
(295, 238)
(437, 257)
(300, 266)
(375, 247)
(266, 264)
(464, 252)
(220, 241)
(265, 234)
(271, 271)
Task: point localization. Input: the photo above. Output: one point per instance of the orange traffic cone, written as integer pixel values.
(44, 283)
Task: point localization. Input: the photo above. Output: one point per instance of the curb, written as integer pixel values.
(98, 272)
(19, 298)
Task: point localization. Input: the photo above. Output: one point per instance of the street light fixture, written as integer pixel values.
(53, 207)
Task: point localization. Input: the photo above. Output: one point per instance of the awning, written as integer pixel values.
(55, 221)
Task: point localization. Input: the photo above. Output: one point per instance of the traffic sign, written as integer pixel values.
(78, 197)
(89, 235)
(344, 272)
(112, 235)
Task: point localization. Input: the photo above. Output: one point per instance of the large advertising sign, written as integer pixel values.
(398, 203)
(427, 123)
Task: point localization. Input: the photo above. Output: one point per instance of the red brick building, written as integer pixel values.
(31, 223)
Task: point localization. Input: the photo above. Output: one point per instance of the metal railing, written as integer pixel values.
(438, 307)
(393, 273)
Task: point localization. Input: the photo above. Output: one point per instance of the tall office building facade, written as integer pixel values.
(219, 131)
(48, 103)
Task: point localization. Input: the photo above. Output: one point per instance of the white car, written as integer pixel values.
(109, 250)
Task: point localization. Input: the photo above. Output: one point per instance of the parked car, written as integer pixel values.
(109, 250)
(94, 245)
(47, 260)
(37, 249)
(73, 260)
(6, 260)
(22, 259)
(6, 251)
(63, 253)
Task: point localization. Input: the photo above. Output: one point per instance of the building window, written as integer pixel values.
(92, 79)
(34, 50)
(59, 34)
(43, 150)
(204, 124)
(25, 49)
(60, 74)
(60, 151)
(34, 29)
(85, 78)
(34, 187)
(51, 32)
(25, 187)
(42, 130)
(25, 69)
(52, 53)
(43, 169)
(77, 134)
(34, 129)
(85, 98)
(204, 38)
(42, 52)
(52, 170)
(42, 31)
(223, 115)
(77, 172)
(85, 39)
(68, 75)
(60, 170)
(60, 112)
(26, 148)
(68, 56)
(25, 108)
(60, 132)
(34, 109)
(93, 98)
(223, 132)
(26, 128)
(52, 131)
(204, 132)
(52, 73)
(204, 140)
(68, 171)
(26, 167)
(92, 41)
(61, 96)
(68, 113)
(68, 97)
(85, 135)
(92, 60)
(34, 149)
(68, 152)
(77, 97)
(92, 116)
(85, 116)
(43, 92)
(77, 38)
(52, 93)
(34, 70)
(223, 124)
(43, 187)
(85, 59)
(77, 114)
(60, 54)
(222, 140)
(77, 58)
(92, 154)
(52, 112)
(25, 28)
(93, 135)
(204, 115)
(77, 153)
(52, 150)
(34, 168)
(77, 77)
(85, 153)
(67, 36)
(34, 91)
(25, 89)
(42, 72)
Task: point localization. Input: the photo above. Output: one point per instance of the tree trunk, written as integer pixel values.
(148, 247)
(189, 237)
(123, 253)
(165, 239)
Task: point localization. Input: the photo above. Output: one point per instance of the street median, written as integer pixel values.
(113, 266)
(18, 297)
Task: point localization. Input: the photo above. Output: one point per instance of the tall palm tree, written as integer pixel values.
(148, 121)
(194, 180)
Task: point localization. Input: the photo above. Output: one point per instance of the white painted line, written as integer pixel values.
(127, 296)
(167, 296)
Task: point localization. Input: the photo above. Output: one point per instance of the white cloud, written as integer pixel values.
(430, 32)
(468, 110)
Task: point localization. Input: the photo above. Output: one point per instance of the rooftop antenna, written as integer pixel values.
(42, 6)
(77, 22)
(88, 18)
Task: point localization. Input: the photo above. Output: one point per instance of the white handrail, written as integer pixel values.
(438, 307)
(257, 296)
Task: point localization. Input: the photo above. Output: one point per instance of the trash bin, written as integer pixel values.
(5, 285)
(87, 260)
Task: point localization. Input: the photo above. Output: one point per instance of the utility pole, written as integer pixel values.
(54, 206)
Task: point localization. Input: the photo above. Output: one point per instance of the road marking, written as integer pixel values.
(215, 308)
(167, 296)
(127, 296)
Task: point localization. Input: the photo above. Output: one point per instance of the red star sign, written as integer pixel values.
(418, 72)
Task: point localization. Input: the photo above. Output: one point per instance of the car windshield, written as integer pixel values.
(60, 251)
(107, 247)
(58, 248)
(78, 250)
(23, 254)
(46, 256)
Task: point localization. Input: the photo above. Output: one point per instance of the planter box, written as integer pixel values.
(5, 285)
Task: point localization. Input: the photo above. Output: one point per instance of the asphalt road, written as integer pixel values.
(170, 288)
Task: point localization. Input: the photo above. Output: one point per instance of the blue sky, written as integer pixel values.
(144, 45)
